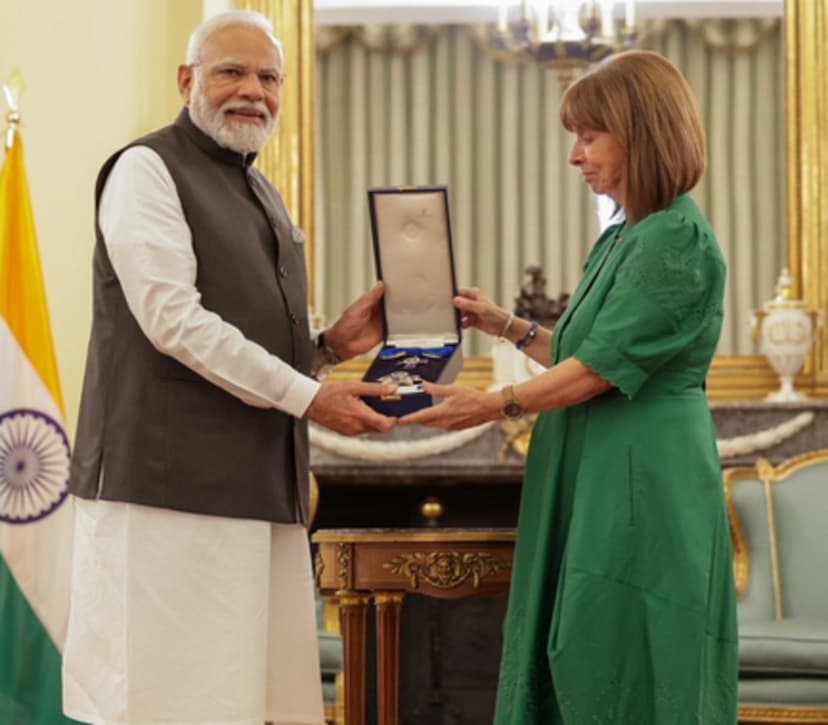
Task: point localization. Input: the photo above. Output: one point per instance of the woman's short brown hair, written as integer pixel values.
(644, 100)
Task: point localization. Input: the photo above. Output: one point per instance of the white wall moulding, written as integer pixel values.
(362, 12)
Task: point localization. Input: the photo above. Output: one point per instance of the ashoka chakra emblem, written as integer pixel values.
(34, 465)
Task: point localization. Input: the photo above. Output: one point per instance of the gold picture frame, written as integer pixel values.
(806, 112)
(289, 162)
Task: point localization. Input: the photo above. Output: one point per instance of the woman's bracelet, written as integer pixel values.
(509, 321)
(528, 337)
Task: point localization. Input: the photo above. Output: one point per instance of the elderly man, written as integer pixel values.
(192, 595)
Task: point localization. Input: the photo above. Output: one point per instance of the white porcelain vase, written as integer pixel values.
(785, 330)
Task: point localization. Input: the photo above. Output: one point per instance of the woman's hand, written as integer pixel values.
(479, 311)
(460, 407)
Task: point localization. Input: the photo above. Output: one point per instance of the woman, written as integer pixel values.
(622, 607)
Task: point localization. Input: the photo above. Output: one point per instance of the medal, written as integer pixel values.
(400, 377)
(412, 362)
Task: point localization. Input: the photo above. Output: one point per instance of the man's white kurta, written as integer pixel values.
(181, 618)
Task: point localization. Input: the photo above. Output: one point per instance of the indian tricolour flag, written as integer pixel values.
(35, 517)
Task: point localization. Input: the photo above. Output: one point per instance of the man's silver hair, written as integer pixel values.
(225, 20)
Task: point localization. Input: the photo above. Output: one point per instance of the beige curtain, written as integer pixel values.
(400, 106)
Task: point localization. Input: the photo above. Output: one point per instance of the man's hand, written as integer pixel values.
(338, 406)
(461, 407)
(360, 326)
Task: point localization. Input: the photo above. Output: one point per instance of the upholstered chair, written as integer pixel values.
(779, 526)
(330, 660)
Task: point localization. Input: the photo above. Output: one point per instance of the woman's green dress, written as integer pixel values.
(622, 607)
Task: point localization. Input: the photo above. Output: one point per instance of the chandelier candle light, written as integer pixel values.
(564, 34)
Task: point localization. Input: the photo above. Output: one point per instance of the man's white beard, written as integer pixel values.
(244, 138)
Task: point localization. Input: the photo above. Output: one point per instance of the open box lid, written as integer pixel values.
(414, 257)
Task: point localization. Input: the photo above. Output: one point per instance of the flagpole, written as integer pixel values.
(12, 89)
(12, 122)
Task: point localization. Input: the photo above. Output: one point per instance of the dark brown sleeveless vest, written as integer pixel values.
(151, 431)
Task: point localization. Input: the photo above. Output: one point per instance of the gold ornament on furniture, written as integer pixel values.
(516, 437)
(779, 715)
(318, 567)
(446, 569)
(343, 565)
(768, 474)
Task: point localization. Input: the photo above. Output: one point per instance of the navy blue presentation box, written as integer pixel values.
(414, 257)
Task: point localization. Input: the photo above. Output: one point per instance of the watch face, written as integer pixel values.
(512, 409)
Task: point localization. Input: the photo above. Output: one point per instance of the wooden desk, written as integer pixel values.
(358, 565)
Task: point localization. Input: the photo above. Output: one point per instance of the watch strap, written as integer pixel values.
(328, 353)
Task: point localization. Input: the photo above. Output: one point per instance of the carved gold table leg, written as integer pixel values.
(353, 609)
(388, 606)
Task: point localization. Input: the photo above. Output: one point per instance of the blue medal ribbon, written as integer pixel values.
(433, 353)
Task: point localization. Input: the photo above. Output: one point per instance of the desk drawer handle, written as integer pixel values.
(432, 510)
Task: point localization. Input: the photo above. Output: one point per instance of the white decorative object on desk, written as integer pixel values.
(784, 328)
(511, 366)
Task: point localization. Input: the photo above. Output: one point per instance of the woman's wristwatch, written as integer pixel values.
(512, 408)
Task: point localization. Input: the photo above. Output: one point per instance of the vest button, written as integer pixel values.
(293, 318)
(283, 271)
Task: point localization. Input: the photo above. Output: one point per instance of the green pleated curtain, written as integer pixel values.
(429, 105)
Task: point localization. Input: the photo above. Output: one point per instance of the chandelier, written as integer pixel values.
(566, 35)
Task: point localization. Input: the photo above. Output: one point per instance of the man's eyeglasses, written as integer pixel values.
(227, 74)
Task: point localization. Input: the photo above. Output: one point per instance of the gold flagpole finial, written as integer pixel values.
(12, 90)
